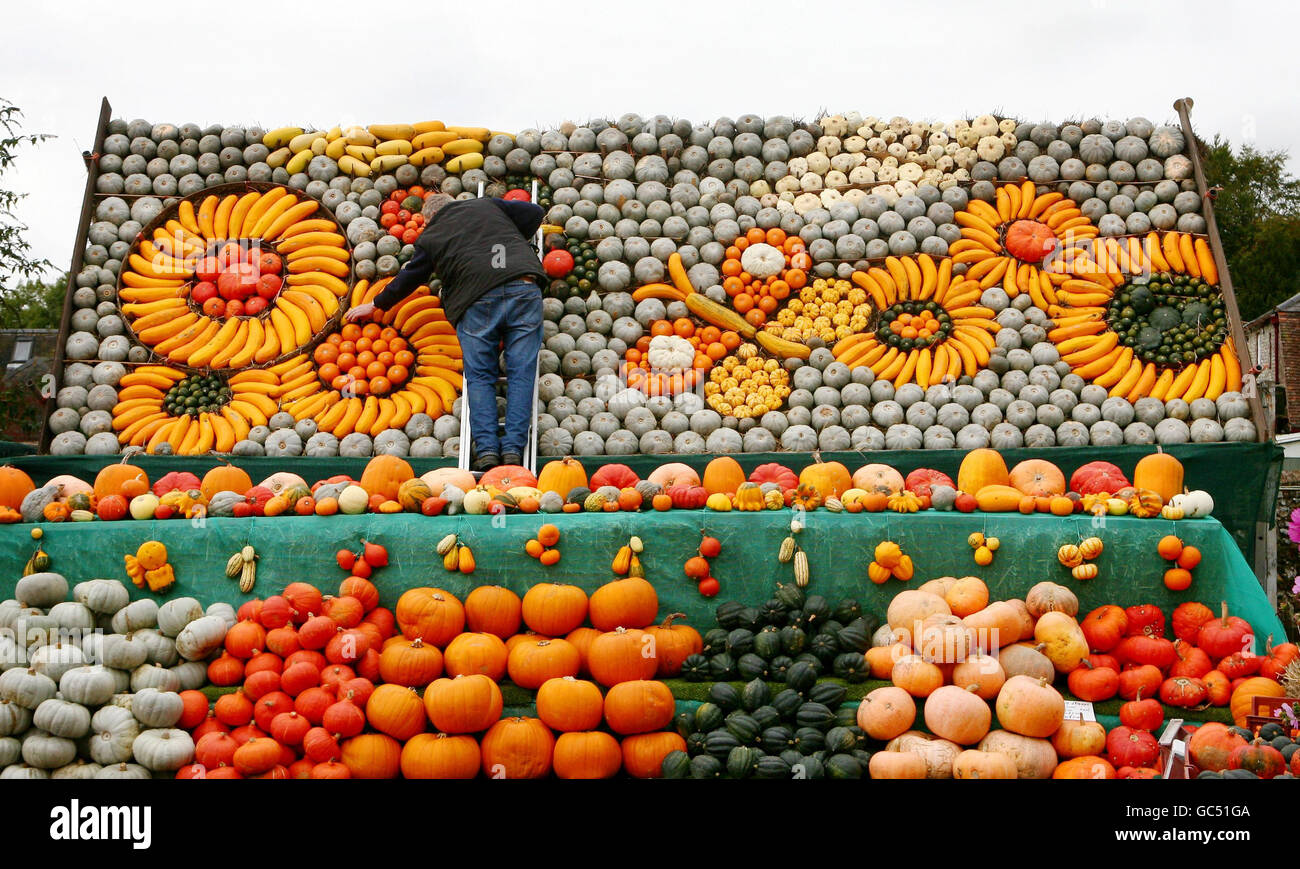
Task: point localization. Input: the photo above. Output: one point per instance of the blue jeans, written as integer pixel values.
(510, 314)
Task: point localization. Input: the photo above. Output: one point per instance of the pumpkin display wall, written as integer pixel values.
(845, 283)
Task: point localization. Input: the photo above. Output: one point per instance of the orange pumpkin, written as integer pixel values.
(724, 475)
(562, 476)
(517, 748)
(120, 479)
(222, 478)
(644, 753)
(440, 477)
(1161, 473)
(1089, 766)
(1037, 477)
(432, 614)
(384, 475)
(878, 478)
(493, 609)
(830, 479)
(476, 653)
(674, 643)
(627, 603)
(674, 474)
(982, 467)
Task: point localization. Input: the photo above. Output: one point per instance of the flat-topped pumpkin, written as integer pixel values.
(1037, 477)
(876, 477)
(979, 468)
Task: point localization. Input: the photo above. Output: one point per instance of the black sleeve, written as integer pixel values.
(527, 216)
(416, 272)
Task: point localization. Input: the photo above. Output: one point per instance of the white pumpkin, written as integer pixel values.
(123, 771)
(113, 732)
(11, 751)
(47, 751)
(1196, 504)
(162, 650)
(103, 596)
(14, 719)
(55, 660)
(154, 676)
(477, 501)
(78, 770)
(176, 613)
(41, 589)
(119, 651)
(62, 718)
(223, 610)
(762, 260)
(353, 500)
(154, 708)
(278, 482)
(28, 688)
(193, 675)
(201, 637)
(23, 771)
(667, 352)
(163, 749)
(90, 686)
(138, 614)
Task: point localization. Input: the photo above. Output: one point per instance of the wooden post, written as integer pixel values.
(78, 250)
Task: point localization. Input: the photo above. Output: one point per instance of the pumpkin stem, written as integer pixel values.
(668, 622)
(1225, 613)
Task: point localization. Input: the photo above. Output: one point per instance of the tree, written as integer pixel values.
(1258, 215)
(16, 259)
(33, 305)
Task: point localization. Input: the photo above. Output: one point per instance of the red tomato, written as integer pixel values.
(208, 268)
(203, 291)
(269, 285)
(228, 285)
(268, 263)
(215, 307)
(234, 308)
(255, 306)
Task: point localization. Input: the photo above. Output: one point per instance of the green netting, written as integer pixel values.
(839, 546)
(1243, 478)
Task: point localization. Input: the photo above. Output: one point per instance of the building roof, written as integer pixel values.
(1291, 305)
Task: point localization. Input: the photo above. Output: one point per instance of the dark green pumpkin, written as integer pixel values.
(1239, 773)
(773, 612)
(1271, 731)
(767, 643)
(787, 703)
(744, 728)
(739, 642)
(728, 614)
(813, 714)
(851, 667)
(854, 637)
(793, 640)
(1209, 773)
(1289, 751)
(860, 737)
(847, 715)
(771, 767)
(777, 739)
(778, 667)
(812, 661)
(685, 723)
(715, 641)
(792, 756)
(705, 766)
(843, 766)
(863, 757)
(1243, 733)
(751, 666)
(830, 626)
(807, 767)
(827, 693)
(709, 716)
(676, 765)
(801, 676)
(796, 618)
(824, 646)
(725, 695)
(809, 740)
(766, 716)
(755, 694)
(1281, 742)
(741, 760)
(722, 667)
(816, 609)
(791, 595)
(750, 618)
(848, 610)
(840, 739)
(695, 668)
(719, 743)
(578, 494)
(695, 743)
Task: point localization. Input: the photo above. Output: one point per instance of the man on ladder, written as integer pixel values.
(491, 292)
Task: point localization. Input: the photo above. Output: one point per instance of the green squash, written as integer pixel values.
(706, 766)
(676, 765)
(848, 610)
(578, 495)
(684, 723)
(808, 768)
(222, 504)
(766, 716)
(740, 641)
(816, 609)
(695, 668)
(793, 640)
(719, 744)
(722, 667)
(787, 703)
(724, 694)
(755, 694)
(828, 693)
(741, 761)
(743, 727)
(793, 757)
(809, 740)
(846, 716)
(1271, 731)
(791, 596)
(771, 767)
(728, 614)
(751, 666)
(824, 646)
(813, 714)
(840, 739)
(773, 612)
(715, 641)
(750, 618)
(796, 618)
(777, 738)
(851, 667)
(767, 643)
(812, 661)
(855, 636)
(708, 716)
(1239, 773)
(778, 667)
(801, 676)
(695, 743)
(863, 756)
(843, 766)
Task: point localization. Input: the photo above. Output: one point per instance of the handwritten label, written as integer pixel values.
(1076, 709)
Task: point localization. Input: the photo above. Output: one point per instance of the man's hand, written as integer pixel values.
(360, 312)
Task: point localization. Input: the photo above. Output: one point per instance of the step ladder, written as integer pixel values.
(464, 459)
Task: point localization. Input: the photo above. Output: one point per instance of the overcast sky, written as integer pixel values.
(511, 65)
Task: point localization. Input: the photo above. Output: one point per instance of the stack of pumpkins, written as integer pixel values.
(100, 686)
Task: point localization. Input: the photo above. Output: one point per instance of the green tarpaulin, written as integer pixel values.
(1243, 478)
(839, 547)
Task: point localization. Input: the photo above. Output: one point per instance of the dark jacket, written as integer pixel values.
(473, 245)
